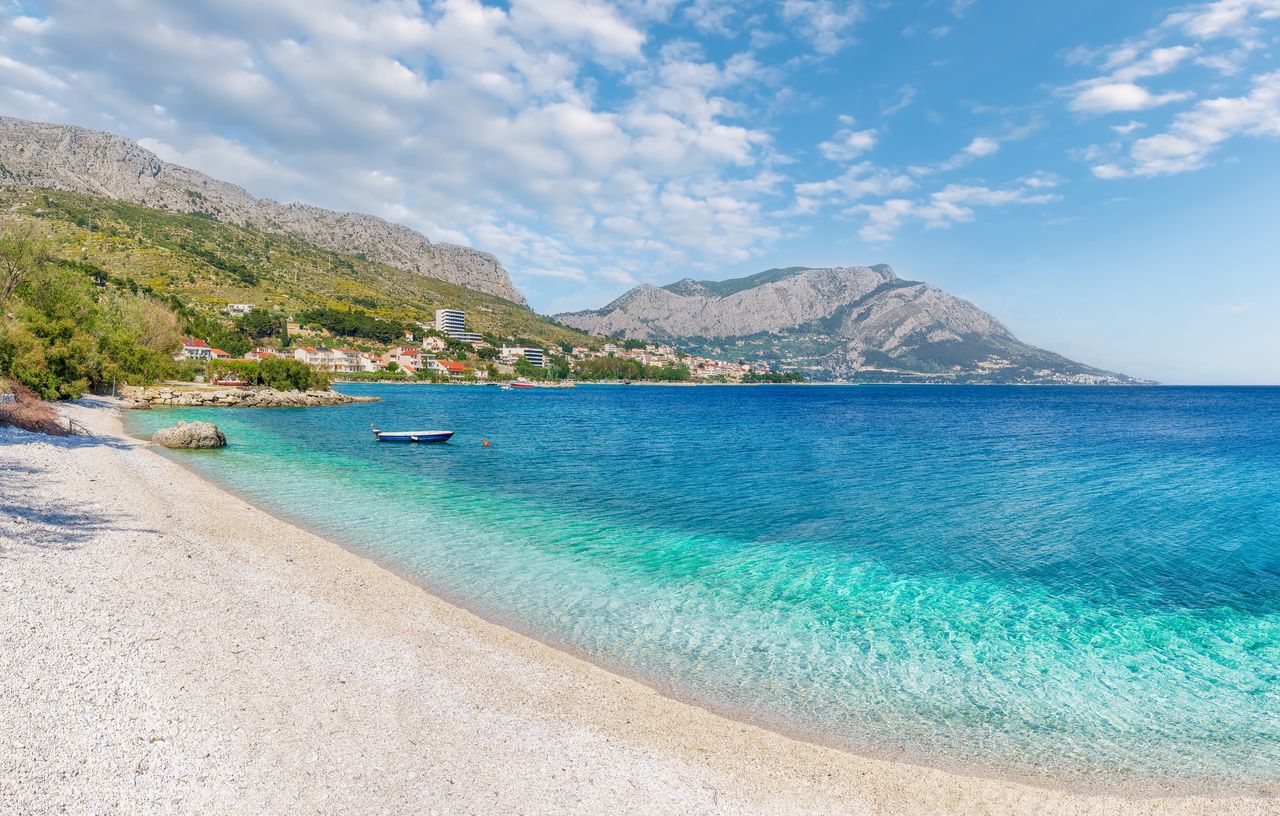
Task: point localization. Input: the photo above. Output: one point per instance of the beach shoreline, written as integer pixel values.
(240, 650)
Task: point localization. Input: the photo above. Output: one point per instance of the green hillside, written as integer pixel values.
(206, 264)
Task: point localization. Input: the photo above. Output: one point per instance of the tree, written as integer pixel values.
(21, 254)
(527, 369)
(557, 367)
(67, 336)
(260, 323)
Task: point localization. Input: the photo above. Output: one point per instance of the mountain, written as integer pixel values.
(77, 160)
(199, 264)
(860, 323)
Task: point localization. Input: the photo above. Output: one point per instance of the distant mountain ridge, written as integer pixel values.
(79, 160)
(860, 323)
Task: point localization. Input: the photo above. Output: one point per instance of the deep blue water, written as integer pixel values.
(1065, 584)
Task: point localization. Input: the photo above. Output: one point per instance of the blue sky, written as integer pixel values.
(1101, 176)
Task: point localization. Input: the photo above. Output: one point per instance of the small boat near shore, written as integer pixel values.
(411, 436)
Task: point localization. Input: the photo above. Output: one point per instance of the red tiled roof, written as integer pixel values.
(194, 343)
(453, 368)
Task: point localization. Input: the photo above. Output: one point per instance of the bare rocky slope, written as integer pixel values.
(71, 158)
(854, 322)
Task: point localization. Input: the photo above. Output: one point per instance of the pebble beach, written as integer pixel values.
(167, 648)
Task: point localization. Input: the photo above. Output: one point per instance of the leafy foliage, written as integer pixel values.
(63, 335)
(622, 368)
(280, 373)
(204, 264)
(355, 324)
(260, 324)
(774, 377)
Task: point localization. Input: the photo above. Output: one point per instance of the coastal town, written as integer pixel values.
(445, 350)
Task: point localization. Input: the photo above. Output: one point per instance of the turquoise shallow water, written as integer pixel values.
(1075, 586)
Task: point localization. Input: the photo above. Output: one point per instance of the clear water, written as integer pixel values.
(1069, 585)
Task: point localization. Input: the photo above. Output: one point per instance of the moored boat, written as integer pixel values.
(410, 436)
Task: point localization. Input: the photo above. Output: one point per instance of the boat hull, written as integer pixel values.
(420, 437)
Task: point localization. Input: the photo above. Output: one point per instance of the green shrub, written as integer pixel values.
(285, 374)
(280, 373)
(66, 336)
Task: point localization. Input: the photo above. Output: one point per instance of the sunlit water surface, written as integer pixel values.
(1074, 586)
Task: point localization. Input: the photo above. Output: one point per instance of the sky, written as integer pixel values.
(1104, 177)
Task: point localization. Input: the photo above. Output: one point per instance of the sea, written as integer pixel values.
(1076, 587)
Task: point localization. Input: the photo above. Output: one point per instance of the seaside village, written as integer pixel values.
(426, 353)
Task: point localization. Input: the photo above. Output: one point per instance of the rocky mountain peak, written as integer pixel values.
(847, 322)
(79, 160)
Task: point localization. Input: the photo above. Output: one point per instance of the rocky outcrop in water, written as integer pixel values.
(851, 322)
(70, 158)
(192, 435)
(234, 397)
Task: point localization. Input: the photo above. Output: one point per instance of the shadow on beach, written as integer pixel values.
(31, 517)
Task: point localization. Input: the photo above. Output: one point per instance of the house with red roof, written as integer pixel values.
(453, 370)
(405, 357)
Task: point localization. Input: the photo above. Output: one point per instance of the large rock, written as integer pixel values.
(191, 435)
(88, 161)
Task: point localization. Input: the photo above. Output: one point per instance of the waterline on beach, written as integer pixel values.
(829, 630)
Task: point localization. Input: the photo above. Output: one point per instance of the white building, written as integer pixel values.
(536, 356)
(238, 308)
(451, 320)
(339, 361)
(194, 349)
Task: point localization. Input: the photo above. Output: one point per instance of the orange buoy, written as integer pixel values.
(484, 442)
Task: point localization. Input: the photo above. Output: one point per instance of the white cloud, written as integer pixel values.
(22, 75)
(616, 276)
(470, 121)
(1196, 133)
(29, 25)
(982, 146)
(1223, 18)
(596, 24)
(1157, 61)
(1127, 128)
(1108, 171)
(230, 161)
(978, 148)
(953, 204)
(862, 180)
(905, 96)
(826, 24)
(848, 143)
(1110, 97)
(1206, 25)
